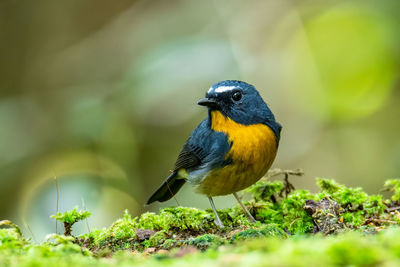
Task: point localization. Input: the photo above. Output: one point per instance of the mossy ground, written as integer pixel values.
(336, 226)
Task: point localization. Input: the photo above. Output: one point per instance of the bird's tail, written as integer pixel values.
(168, 189)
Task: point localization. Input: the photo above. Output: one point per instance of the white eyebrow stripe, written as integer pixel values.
(221, 89)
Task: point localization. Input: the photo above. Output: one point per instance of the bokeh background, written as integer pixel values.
(101, 95)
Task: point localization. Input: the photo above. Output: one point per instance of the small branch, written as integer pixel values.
(67, 229)
(172, 194)
(86, 220)
(393, 209)
(30, 231)
(277, 171)
(58, 198)
(288, 187)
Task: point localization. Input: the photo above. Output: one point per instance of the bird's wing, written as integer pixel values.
(204, 147)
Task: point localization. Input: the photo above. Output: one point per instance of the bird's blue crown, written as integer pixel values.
(242, 103)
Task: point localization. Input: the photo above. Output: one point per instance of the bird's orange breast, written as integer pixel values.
(253, 150)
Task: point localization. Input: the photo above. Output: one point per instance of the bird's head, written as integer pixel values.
(241, 102)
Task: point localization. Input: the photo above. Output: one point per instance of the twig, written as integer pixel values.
(84, 208)
(370, 220)
(58, 199)
(393, 208)
(172, 194)
(30, 231)
(288, 187)
(290, 225)
(277, 171)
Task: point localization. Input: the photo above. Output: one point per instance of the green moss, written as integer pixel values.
(190, 219)
(265, 191)
(374, 205)
(70, 217)
(231, 218)
(289, 213)
(351, 198)
(270, 230)
(156, 240)
(150, 220)
(283, 235)
(11, 240)
(121, 230)
(295, 218)
(268, 212)
(177, 218)
(57, 245)
(169, 243)
(351, 250)
(393, 185)
(270, 207)
(203, 242)
(274, 230)
(328, 185)
(357, 205)
(56, 239)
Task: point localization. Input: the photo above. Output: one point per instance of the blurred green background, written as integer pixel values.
(102, 95)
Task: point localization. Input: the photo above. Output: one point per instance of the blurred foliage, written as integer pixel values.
(101, 95)
(393, 185)
(351, 249)
(343, 65)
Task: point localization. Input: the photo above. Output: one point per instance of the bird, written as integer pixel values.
(229, 150)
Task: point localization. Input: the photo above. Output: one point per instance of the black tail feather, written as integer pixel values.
(168, 189)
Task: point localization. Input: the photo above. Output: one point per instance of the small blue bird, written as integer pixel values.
(228, 151)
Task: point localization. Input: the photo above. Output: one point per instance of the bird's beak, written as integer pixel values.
(208, 102)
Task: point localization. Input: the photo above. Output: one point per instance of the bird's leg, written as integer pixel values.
(217, 219)
(246, 211)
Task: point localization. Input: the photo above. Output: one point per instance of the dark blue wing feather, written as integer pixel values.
(204, 147)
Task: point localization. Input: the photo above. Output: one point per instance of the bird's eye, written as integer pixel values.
(237, 96)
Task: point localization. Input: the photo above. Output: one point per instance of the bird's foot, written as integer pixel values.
(217, 220)
(250, 218)
(218, 223)
(245, 210)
